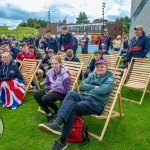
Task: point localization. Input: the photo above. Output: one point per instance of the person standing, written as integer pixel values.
(117, 43)
(139, 46)
(84, 43)
(49, 42)
(74, 42)
(65, 40)
(57, 40)
(106, 40)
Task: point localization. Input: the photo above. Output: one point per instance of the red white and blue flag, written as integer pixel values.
(12, 93)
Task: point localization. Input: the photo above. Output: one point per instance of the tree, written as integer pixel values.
(34, 23)
(82, 18)
(126, 23)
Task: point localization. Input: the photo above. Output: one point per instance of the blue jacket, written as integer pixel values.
(138, 48)
(74, 43)
(66, 41)
(98, 87)
(91, 66)
(50, 44)
(46, 60)
(74, 59)
(9, 72)
(107, 42)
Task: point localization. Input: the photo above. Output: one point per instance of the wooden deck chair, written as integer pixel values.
(139, 76)
(74, 69)
(112, 52)
(113, 60)
(109, 112)
(28, 69)
(85, 58)
(62, 55)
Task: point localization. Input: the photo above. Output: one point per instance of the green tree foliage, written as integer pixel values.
(126, 23)
(82, 18)
(34, 23)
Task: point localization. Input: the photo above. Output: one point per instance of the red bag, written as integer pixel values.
(78, 133)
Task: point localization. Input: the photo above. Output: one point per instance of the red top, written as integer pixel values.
(22, 55)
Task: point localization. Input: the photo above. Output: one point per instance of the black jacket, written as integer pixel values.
(9, 72)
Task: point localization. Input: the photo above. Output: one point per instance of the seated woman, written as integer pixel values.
(94, 95)
(57, 84)
(12, 87)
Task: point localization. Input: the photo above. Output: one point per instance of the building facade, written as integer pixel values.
(140, 10)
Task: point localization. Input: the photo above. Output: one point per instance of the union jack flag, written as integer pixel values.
(12, 93)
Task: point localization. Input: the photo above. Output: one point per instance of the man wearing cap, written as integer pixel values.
(65, 40)
(105, 40)
(139, 46)
(94, 95)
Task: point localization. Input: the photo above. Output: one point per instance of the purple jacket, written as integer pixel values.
(58, 82)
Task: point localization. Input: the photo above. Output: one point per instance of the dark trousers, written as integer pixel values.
(45, 100)
(85, 50)
(76, 104)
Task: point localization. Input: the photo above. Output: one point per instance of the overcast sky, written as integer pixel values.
(12, 12)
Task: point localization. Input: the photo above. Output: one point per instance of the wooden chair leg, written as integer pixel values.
(36, 80)
(120, 104)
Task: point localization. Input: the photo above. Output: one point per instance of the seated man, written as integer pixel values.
(104, 50)
(35, 51)
(24, 53)
(70, 56)
(45, 65)
(94, 95)
(91, 67)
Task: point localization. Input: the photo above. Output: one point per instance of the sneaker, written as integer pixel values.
(50, 118)
(51, 128)
(59, 146)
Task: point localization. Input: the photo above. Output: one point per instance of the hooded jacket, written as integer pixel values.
(98, 88)
(9, 72)
(58, 82)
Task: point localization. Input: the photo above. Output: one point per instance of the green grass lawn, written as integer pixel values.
(19, 32)
(132, 132)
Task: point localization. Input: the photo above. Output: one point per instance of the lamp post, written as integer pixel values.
(49, 22)
(103, 7)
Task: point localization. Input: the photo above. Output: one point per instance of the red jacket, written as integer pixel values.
(22, 55)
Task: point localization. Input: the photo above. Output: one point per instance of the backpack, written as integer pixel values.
(78, 133)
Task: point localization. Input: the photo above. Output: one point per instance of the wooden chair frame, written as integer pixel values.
(28, 69)
(74, 69)
(108, 112)
(113, 60)
(85, 58)
(138, 74)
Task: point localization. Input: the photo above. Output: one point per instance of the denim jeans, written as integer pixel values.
(77, 104)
